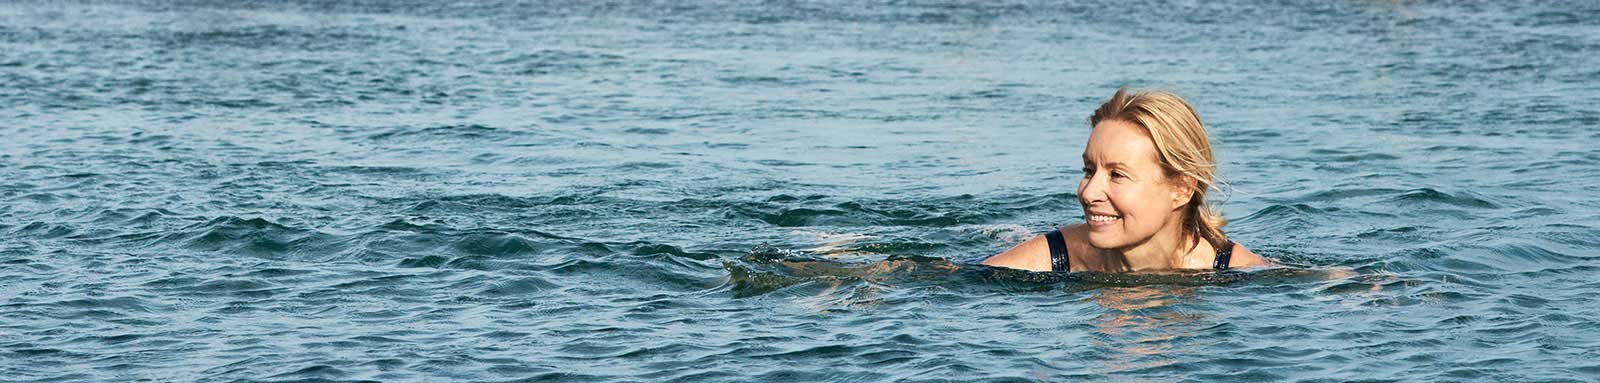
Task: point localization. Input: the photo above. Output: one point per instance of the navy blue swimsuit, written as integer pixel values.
(1058, 253)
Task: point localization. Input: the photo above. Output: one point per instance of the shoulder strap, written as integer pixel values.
(1058, 251)
(1224, 256)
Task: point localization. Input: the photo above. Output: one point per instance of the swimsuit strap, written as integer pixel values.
(1058, 251)
(1224, 255)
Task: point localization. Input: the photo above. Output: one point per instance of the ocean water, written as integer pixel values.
(781, 191)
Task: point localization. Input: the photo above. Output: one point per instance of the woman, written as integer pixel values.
(1146, 172)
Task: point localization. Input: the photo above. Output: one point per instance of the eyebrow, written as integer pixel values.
(1113, 164)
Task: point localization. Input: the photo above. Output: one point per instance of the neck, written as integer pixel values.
(1165, 250)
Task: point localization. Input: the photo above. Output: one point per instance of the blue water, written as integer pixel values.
(781, 191)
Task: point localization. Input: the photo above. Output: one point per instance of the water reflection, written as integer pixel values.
(1143, 327)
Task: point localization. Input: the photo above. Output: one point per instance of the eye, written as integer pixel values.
(1118, 174)
(1087, 172)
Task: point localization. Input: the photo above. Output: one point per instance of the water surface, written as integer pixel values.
(638, 191)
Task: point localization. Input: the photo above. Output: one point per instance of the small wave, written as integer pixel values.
(253, 236)
(314, 372)
(1430, 195)
(1287, 217)
(646, 248)
(375, 170)
(642, 166)
(1519, 256)
(746, 80)
(242, 287)
(1365, 157)
(552, 61)
(45, 230)
(523, 286)
(791, 217)
(498, 245)
(1344, 193)
(268, 37)
(942, 212)
(118, 304)
(783, 163)
(434, 134)
(1553, 18)
(648, 131)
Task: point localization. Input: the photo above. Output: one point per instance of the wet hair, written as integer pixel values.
(1185, 151)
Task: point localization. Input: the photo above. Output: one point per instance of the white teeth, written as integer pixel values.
(1102, 218)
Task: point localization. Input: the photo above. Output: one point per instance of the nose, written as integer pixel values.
(1092, 189)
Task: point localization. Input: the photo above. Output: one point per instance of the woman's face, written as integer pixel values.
(1126, 196)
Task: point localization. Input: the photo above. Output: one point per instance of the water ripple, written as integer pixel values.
(632, 191)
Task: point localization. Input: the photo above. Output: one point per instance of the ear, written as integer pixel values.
(1182, 191)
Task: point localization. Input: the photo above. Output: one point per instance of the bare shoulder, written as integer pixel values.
(1032, 255)
(1243, 257)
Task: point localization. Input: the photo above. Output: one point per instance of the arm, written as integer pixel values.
(1031, 255)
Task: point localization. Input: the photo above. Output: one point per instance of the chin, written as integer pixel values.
(1104, 241)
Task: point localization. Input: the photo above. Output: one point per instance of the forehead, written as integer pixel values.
(1120, 141)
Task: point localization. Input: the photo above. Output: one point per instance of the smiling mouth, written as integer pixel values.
(1101, 220)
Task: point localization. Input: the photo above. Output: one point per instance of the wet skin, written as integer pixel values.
(1133, 213)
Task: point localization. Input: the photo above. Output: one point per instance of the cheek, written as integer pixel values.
(1136, 203)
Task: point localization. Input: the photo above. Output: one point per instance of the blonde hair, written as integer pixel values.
(1185, 151)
